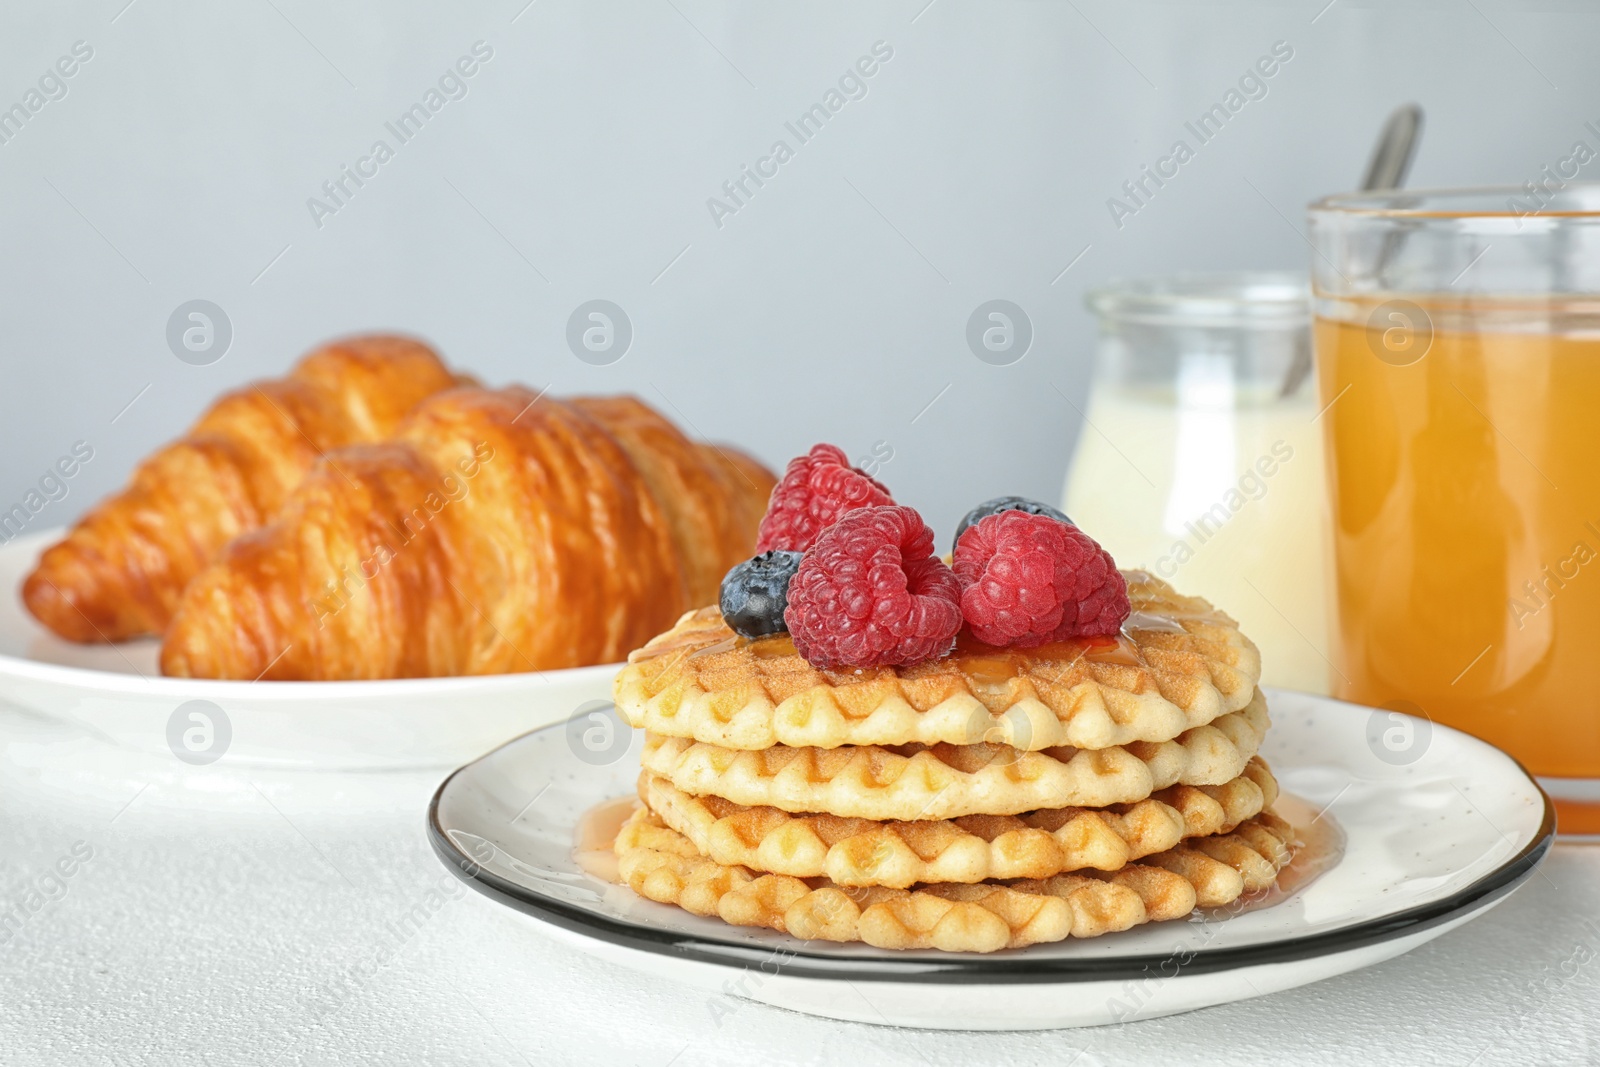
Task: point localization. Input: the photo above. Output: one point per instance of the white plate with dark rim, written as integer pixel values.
(1439, 828)
(118, 692)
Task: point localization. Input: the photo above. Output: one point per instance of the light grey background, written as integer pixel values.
(831, 307)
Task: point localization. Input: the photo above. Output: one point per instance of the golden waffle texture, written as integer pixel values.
(946, 781)
(990, 799)
(663, 865)
(972, 848)
(1178, 664)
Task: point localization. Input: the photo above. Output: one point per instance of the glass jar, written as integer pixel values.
(1200, 458)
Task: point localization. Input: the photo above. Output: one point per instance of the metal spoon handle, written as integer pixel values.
(1391, 160)
(1396, 147)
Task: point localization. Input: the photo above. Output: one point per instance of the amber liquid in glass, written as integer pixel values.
(1465, 496)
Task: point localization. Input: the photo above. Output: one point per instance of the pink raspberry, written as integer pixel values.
(816, 489)
(871, 593)
(1027, 579)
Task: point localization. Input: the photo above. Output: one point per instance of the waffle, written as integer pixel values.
(973, 848)
(663, 865)
(1179, 664)
(947, 781)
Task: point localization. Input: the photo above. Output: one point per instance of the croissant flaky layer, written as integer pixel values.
(121, 570)
(499, 531)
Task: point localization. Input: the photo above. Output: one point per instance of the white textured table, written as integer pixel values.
(232, 917)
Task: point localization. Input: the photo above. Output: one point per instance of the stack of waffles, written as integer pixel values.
(985, 800)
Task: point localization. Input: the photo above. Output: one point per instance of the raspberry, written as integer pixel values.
(870, 593)
(816, 489)
(1027, 579)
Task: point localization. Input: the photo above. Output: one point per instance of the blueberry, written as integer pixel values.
(1007, 503)
(755, 593)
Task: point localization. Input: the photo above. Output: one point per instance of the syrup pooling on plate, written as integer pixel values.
(1318, 848)
(597, 829)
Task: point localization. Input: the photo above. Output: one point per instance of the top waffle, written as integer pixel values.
(1178, 664)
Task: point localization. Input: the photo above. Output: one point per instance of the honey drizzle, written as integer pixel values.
(727, 644)
(1144, 620)
(983, 665)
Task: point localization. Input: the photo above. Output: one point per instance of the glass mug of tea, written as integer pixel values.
(1457, 338)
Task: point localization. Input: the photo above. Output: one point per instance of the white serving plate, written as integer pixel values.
(1435, 836)
(118, 693)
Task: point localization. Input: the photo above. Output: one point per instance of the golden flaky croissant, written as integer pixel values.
(120, 571)
(499, 531)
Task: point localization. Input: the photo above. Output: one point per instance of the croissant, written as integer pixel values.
(497, 532)
(120, 571)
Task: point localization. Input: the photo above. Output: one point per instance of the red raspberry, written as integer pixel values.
(816, 489)
(1027, 579)
(871, 593)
